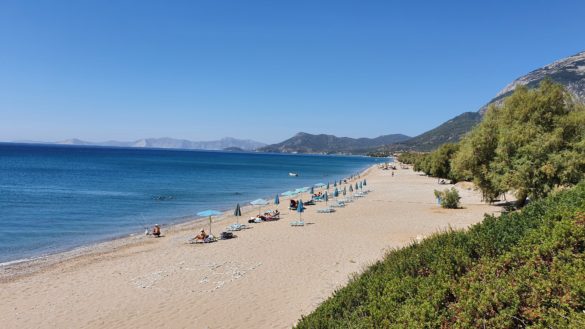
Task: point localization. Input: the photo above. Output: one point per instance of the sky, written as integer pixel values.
(265, 70)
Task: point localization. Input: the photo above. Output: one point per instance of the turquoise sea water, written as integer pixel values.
(54, 198)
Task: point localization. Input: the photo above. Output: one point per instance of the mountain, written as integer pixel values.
(448, 132)
(172, 143)
(569, 72)
(308, 143)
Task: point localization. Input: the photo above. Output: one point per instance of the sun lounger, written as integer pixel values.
(297, 223)
(325, 210)
(339, 204)
(236, 227)
(209, 239)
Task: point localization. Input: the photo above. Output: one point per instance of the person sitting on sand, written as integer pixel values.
(156, 231)
(201, 236)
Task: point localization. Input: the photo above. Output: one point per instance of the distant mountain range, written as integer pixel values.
(308, 143)
(569, 71)
(171, 143)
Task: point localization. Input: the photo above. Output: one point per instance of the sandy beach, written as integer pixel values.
(267, 277)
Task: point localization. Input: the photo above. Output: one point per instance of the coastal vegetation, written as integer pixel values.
(531, 145)
(523, 269)
(448, 198)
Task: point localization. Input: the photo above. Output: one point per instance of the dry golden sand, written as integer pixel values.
(267, 277)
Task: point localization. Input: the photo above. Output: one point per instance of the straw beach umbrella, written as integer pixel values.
(238, 213)
(209, 213)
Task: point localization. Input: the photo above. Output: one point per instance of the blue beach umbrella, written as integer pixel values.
(336, 192)
(259, 203)
(238, 213)
(344, 191)
(209, 213)
(326, 197)
(312, 190)
(327, 185)
(356, 185)
(276, 200)
(351, 188)
(335, 184)
(361, 186)
(300, 208)
(365, 183)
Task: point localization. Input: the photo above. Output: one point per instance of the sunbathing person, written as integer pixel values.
(201, 236)
(156, 231)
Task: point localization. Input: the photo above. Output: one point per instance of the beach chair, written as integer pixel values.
(338, 204)
(236, 227)
(327, 210)
(209, 239)
(297, 223)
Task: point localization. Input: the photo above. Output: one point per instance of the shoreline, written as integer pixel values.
(14, 269)
(268, 277)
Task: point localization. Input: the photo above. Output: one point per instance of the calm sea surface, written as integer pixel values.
(54, 198)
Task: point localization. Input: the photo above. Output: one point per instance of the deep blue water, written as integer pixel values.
(54, 198)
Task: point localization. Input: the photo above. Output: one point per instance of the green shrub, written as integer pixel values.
(523, 269)
(448, 198)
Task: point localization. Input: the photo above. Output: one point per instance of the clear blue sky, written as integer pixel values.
(265, 70)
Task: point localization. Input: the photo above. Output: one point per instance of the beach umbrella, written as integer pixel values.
(312, 190)
(336, 192)
(335, 184)
(351, 188)
(326, 197)
(276, 200)
(209, 213)
(238, 213)
(259, 203)
(344, 191)
(356, 185)
(365, 183)
(327, 185)
(361, 185)
(300, 208)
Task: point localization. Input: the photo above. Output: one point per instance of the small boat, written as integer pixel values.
(293, 174)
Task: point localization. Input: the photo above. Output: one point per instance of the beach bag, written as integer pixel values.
(227, 235)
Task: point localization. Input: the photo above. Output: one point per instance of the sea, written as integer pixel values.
(56, 198)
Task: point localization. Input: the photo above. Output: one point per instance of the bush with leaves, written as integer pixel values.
(448, 198)
(523, 269)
